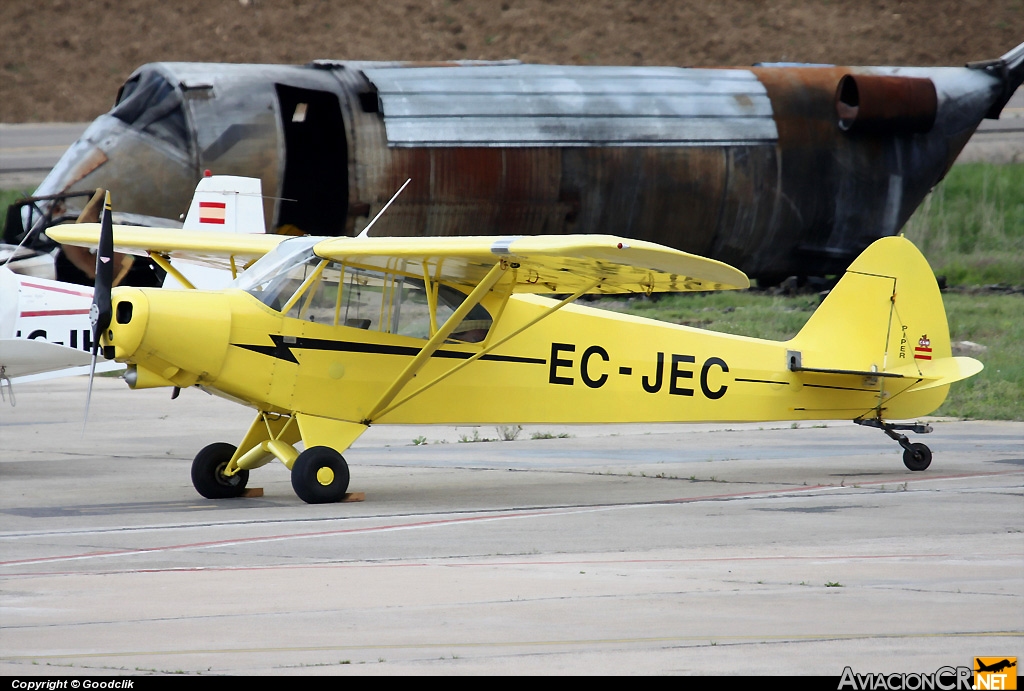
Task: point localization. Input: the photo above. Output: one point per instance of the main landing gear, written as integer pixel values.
(320, 474)
(208, 473)
(915, 456)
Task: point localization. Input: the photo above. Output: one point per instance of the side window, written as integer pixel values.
(362, 299)
(319, 302)
(412, 313)
(474, 327)
(411, 316)
(343, 296)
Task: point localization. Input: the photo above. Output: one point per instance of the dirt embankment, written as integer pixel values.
(64, 60)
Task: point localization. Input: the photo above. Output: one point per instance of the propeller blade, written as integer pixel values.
(99, 313)
(101, 310)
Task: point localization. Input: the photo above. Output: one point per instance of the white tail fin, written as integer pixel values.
(227, 203)
(223, 203)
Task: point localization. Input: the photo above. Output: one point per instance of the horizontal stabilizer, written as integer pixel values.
(939, 372)
(930, 374)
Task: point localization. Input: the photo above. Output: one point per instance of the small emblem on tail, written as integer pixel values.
(212, 212)
(923, 351)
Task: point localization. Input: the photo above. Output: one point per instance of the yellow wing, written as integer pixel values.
(543, 264)
(198, 246)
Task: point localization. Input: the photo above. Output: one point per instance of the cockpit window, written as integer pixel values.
(151, 104)
(279, 273)
(296, 282)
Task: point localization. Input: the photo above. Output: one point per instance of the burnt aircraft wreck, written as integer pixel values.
(775, 169)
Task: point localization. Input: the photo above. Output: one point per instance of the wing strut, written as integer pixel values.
(422, 357)
(491, 347)
(162, 261)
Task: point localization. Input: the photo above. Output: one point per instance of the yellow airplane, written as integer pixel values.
(325, 336)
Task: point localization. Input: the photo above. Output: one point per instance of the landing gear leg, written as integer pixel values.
(915, 456)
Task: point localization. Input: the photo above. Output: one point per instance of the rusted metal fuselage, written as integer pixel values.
(775, 169)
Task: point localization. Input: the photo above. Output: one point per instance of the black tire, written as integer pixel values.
(917, 457)
(320, 475)
(208, 473)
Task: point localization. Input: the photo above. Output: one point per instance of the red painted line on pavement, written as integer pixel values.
(467, 519)
(268, 538)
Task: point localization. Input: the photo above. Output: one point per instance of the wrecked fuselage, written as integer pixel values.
(775, 169)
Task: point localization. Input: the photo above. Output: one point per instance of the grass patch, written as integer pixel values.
(550, 435)
(971, 227)
(746, 313)
(8, 197)
(994, 321)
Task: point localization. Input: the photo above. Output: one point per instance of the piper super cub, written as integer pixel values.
(324, 337)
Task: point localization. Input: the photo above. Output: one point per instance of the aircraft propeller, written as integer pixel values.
(101, 310)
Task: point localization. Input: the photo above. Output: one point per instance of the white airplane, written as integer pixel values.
(44, 324)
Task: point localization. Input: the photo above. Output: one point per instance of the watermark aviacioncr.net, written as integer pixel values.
(987, 674)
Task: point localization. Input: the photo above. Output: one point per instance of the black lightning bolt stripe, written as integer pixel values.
(283, 351)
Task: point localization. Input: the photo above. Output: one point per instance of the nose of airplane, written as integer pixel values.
(127, 328)
(151, 176)
(180, 335)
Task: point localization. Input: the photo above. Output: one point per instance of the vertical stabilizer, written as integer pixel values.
(222, 203)
(885, 315)
(227, 203)
(886, 311)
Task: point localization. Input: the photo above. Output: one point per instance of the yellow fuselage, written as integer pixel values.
(578, 365)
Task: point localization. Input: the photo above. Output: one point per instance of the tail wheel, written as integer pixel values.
(320, 475)
(917, 457)
(208, 473)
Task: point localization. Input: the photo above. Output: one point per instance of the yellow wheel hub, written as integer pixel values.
(325, 476)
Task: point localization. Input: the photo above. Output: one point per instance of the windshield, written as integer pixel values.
(151, 104)
(278, 273)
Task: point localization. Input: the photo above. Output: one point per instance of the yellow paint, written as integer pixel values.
(325, 476)
(166, 265)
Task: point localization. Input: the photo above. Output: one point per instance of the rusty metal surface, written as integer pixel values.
(747, 166)
(873, 103)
